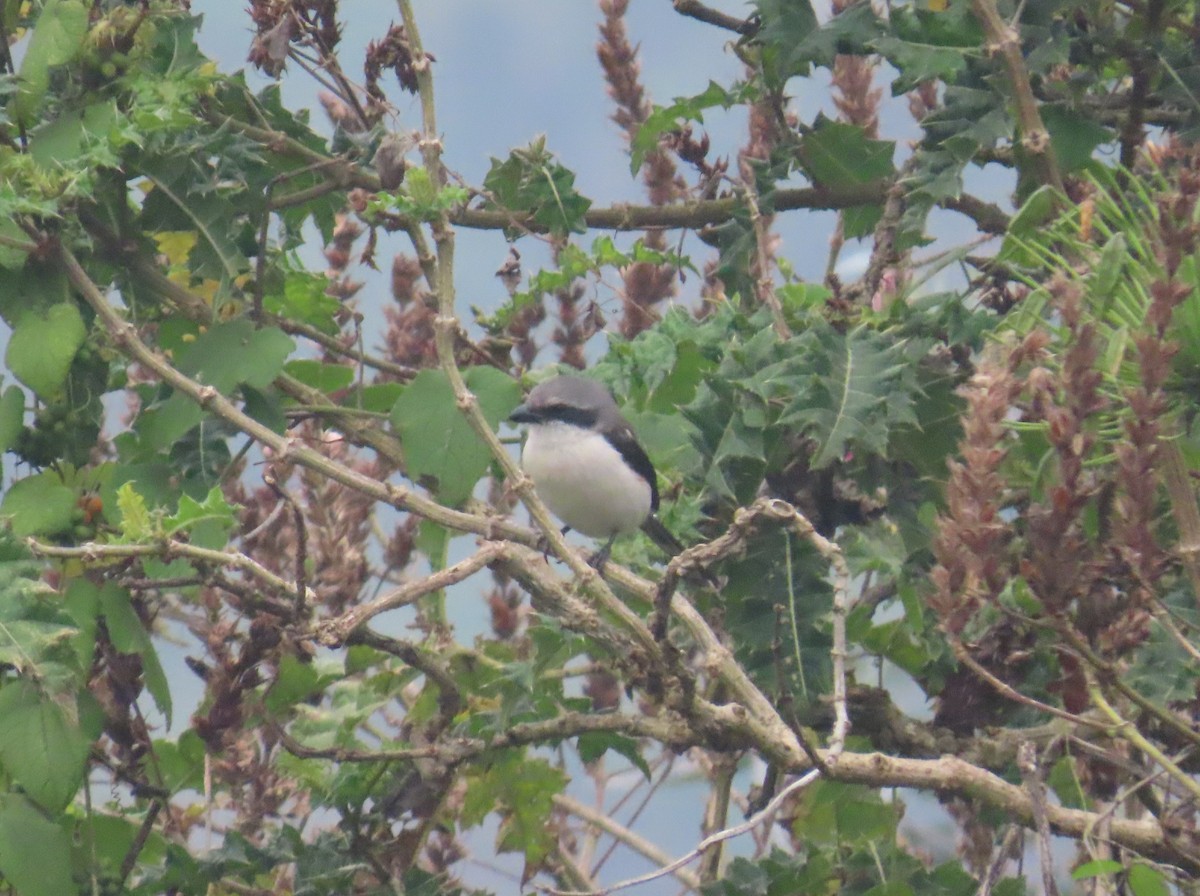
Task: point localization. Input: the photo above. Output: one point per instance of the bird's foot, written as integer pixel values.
(600, 558)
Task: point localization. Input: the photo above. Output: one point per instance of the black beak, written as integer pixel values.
(522, 413)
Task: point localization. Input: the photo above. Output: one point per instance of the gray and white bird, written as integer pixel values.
(587, 464)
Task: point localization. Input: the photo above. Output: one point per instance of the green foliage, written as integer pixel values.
(522, 791)
(352, 730)
(664, 119)
(419, 198)
(27, 838)
(441, 448)
(43, 748)
(837, 155)
(42, 347)
(56, 39)
(531, 181)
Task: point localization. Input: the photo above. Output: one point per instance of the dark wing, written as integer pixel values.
(622, 438)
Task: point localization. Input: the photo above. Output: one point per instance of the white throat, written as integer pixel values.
(584, 480)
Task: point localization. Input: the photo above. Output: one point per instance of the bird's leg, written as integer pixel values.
(601, 556)
(543, 543)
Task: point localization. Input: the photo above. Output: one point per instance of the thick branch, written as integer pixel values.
(1005, 40)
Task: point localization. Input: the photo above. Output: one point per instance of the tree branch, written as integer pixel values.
(1005, 41)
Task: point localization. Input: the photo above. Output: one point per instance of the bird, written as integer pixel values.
(587, 465)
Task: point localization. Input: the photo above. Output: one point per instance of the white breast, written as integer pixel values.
(584, 480)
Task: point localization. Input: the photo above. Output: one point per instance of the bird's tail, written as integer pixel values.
(672, 546)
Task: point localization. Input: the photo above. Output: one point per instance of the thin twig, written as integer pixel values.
(1027, 764)
(764, 285)
(1126, 729)
(300, 525)
(705, 844)
(1000, 858)
(634, 841)
(334, 632)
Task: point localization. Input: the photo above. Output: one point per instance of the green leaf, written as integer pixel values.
(162, 425)
(860, 386)
(531, 180)
(136, 521)
(40, 505)
(294, 682)
(832, 812)
(595, 744)
(43, 345)
(264, 406)
(925, 45)
(326, 377)
(793, 40)
(179, 202)
(225, 356)
(835, 154)
(305, 297)
(236, 352)
(192, 513)
(664, 119)
(378, 398)
(522, 792)
(12, 416)
(41, 748)
(11, 256)
(33, 630)
(129, 636)
(1147, 881)
(1096, 868)
(57, 37)
(1074, 135)
(35, 854)
(440, 447)
(65, 139)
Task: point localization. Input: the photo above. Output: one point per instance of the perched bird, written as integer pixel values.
(587, 465)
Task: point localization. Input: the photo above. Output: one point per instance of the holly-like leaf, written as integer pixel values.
(214, 509)
(667, 118)
(522, 792)
(531, 180)
(1074, 136)
(835, 154)
(793, 41)
(440, 447)
(860, 386)
(43, 345)
(925, 45)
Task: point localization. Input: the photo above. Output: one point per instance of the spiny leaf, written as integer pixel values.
(860, 386)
